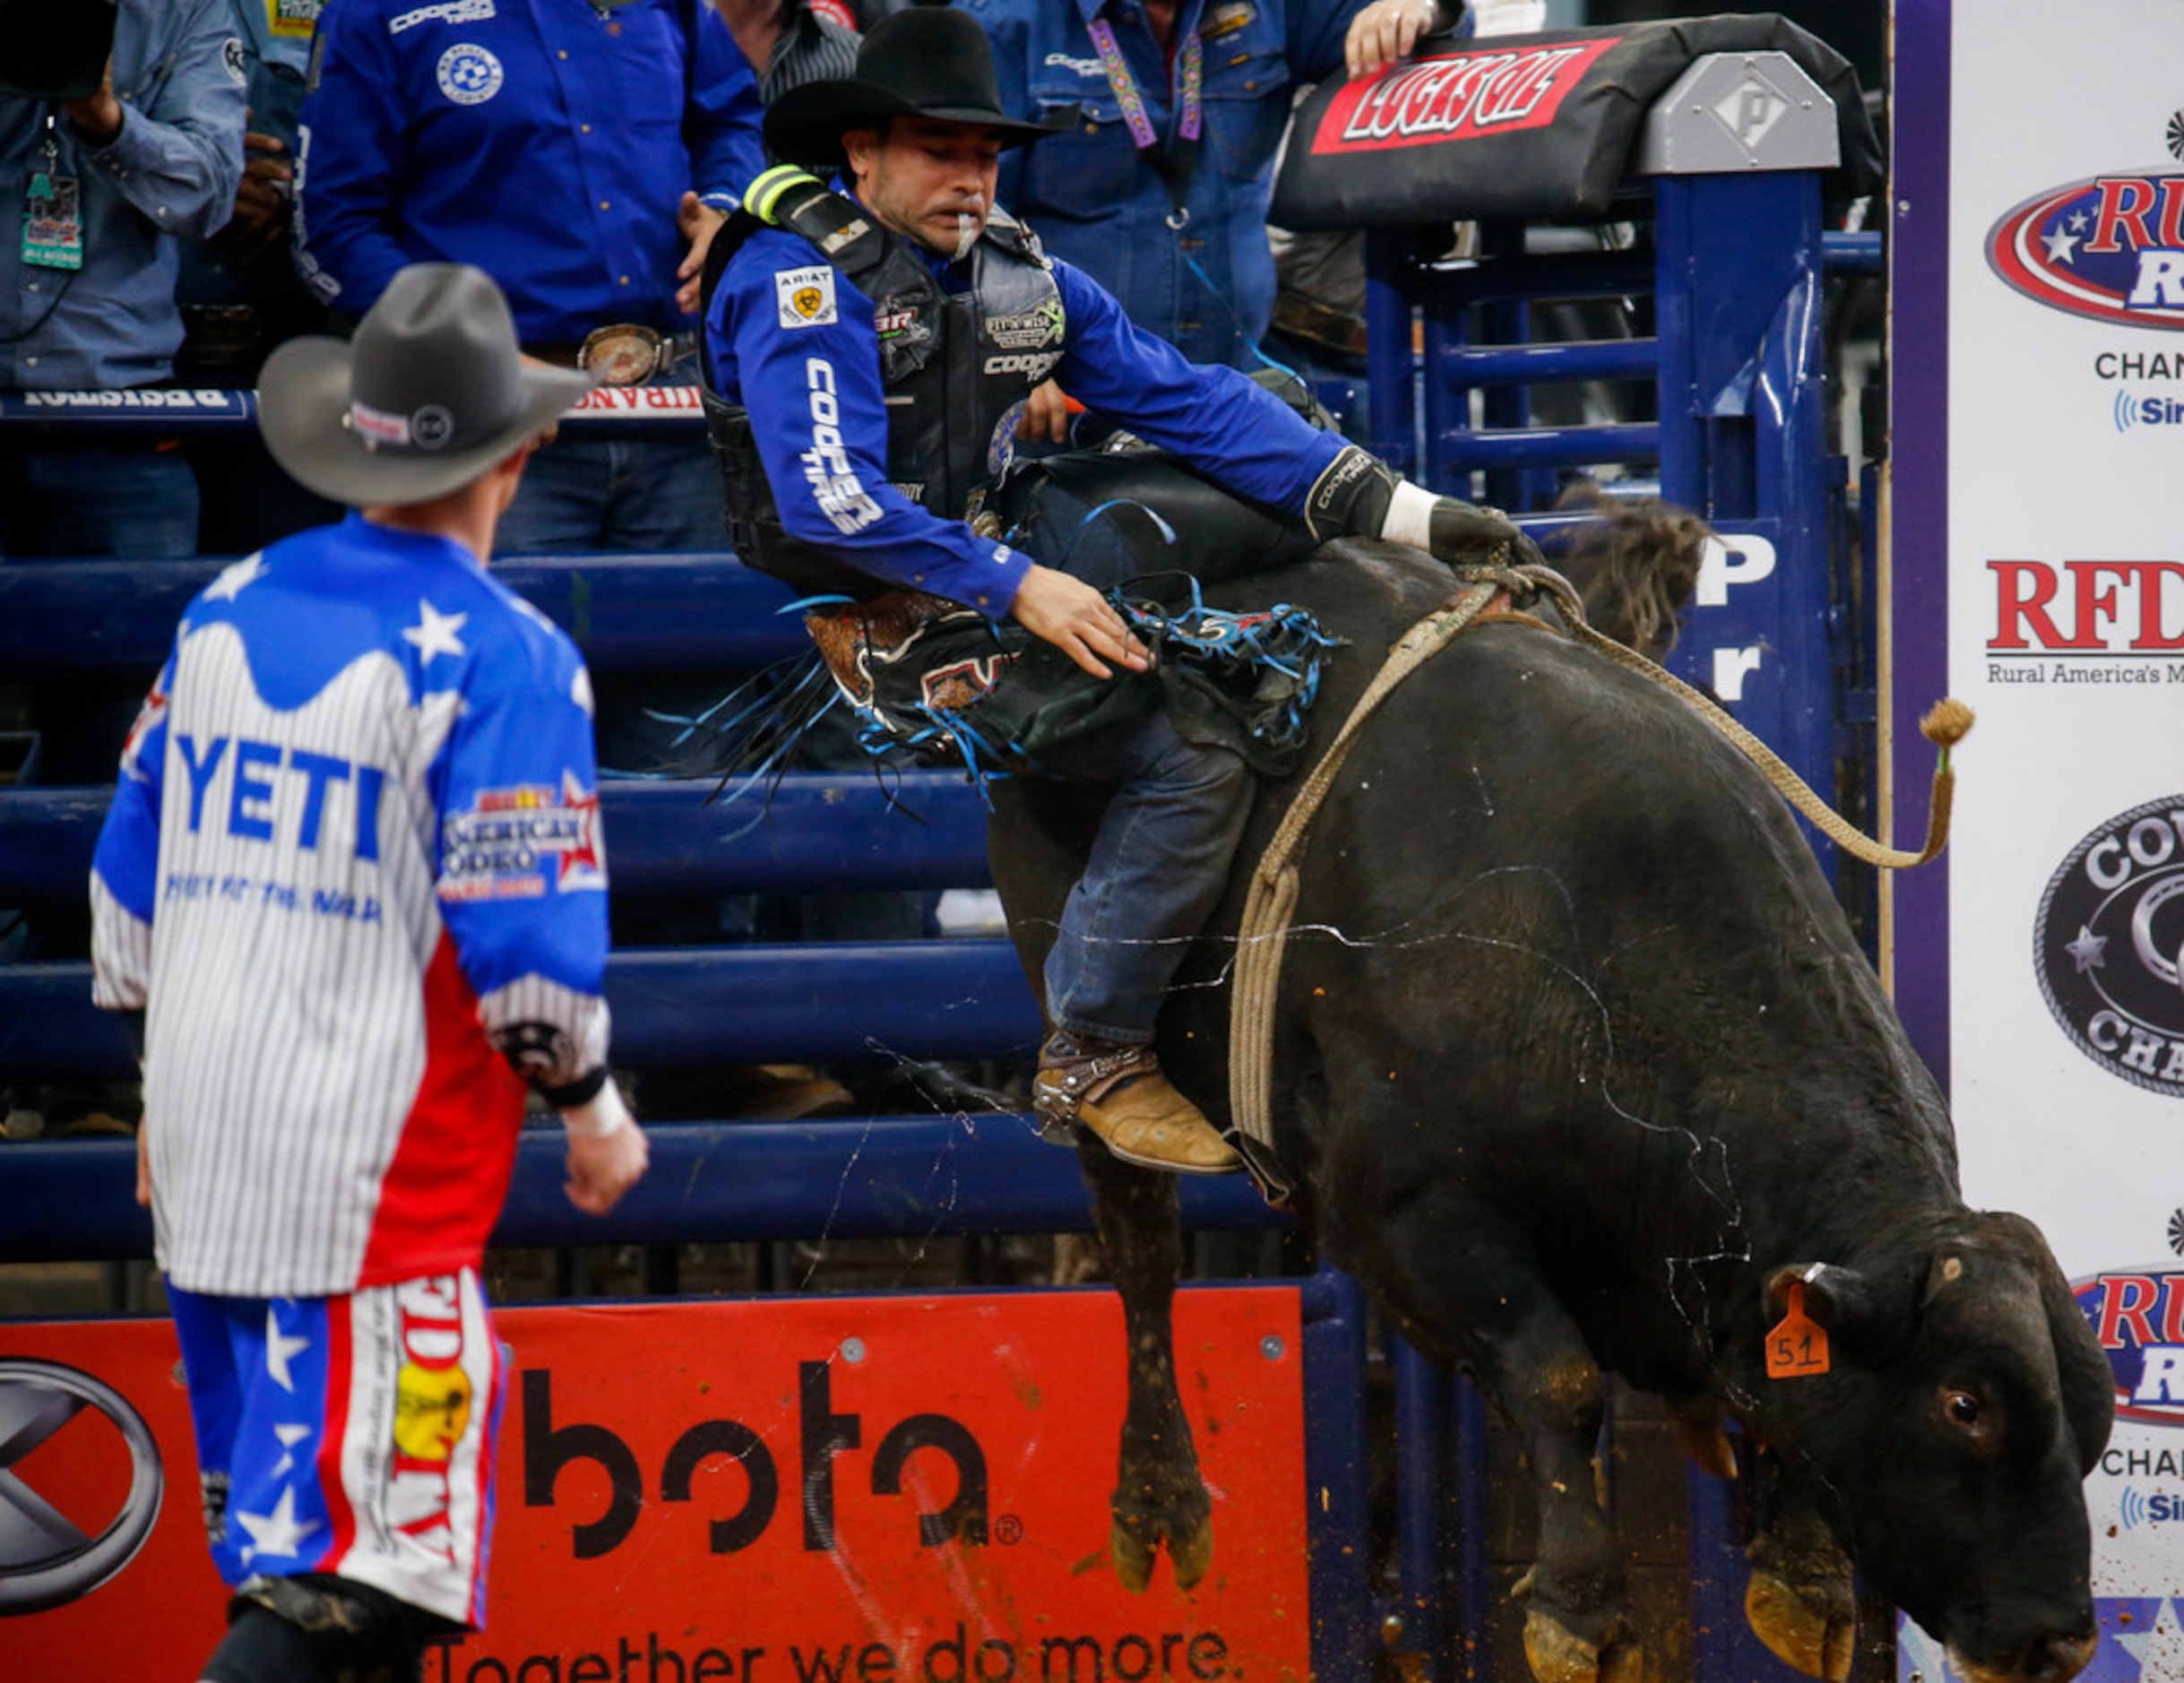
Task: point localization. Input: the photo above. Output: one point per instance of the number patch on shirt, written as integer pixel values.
(806, 296)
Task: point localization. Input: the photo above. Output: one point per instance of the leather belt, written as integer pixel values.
(1307, 317)
(621, 353)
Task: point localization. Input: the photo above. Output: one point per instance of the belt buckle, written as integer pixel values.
(623, 353)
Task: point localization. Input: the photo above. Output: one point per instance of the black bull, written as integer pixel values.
(1579, 1068)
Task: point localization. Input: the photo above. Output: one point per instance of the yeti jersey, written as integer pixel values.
(354, 846)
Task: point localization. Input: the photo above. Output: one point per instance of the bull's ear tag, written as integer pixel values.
(1798, 1346)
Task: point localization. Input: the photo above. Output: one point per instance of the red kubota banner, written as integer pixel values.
(849, 1490)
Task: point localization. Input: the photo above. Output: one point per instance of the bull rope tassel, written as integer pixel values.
(1945, 726)
(1264, 934)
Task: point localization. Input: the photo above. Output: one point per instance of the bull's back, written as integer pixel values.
(1559, 950)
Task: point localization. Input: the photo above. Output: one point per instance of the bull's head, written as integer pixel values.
(1949, 1444)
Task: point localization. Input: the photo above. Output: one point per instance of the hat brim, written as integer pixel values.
(806, 124)
(303, 413)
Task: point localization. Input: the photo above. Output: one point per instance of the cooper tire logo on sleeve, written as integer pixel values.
(47, 1558)
(2108, 945)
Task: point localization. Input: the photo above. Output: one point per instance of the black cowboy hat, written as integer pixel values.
(927, 61)
(57, 49)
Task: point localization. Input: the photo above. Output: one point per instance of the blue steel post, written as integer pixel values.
(1743, 442)
(1510, 322)
(1338, 1535)
(1421, 1441)
(1446, 406)
(1391, 282)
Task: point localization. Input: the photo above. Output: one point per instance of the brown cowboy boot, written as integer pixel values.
(1118, 1091)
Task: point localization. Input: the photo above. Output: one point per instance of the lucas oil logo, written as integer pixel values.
(2109, 248)
(2137, 1315)
(1457, 97)
(2108, 944)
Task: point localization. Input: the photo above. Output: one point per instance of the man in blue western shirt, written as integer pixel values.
(148, 156)
(865, 383)
(581, 154)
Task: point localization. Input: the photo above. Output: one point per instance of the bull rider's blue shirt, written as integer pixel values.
(1098, 201)
(169, 175)
(819, 417)
(547, 142)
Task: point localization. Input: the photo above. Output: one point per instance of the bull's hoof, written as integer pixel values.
(1193, 1556)
(1559, 1654)
(1132, 1559)
(1810, 1625)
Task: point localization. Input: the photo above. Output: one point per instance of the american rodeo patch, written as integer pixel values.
(806, 296)
(504, 845)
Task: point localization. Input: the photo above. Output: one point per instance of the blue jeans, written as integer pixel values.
(1159, 864)
(136, 504)
(592, 496)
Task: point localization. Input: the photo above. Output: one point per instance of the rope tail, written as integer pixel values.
(1945, 726)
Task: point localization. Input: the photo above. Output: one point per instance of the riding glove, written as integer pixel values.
(1359, 496)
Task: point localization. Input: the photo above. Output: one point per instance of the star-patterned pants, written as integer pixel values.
(351, 1435)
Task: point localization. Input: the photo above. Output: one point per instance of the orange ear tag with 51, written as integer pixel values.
(1797, 1348)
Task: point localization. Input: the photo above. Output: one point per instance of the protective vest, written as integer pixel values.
(955, 367)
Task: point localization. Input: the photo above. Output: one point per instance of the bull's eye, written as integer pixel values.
(1964, 1408)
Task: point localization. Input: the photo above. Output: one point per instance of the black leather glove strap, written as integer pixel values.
(1465, 531)
(1350, 498)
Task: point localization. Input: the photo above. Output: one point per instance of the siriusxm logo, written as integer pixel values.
(2158, 1509)
(2133, 410)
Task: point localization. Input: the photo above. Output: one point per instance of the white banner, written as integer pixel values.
(2065, 369)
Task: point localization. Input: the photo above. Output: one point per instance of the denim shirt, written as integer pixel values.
(1094, 198)
(276, 43)
(545, 141)
(169, 175)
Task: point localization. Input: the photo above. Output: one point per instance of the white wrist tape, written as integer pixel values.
(601, 1117)
(1410, 516)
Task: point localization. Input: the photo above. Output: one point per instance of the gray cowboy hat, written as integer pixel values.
(928, 61)
(432, 391)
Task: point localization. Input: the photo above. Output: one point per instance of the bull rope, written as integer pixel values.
(1264, 934)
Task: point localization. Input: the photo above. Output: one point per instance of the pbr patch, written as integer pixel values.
(504, 845)
(2109, 248)
(2109, 944)
(469, 75)
(806, 296)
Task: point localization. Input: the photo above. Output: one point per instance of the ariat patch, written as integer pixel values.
(806, 296)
